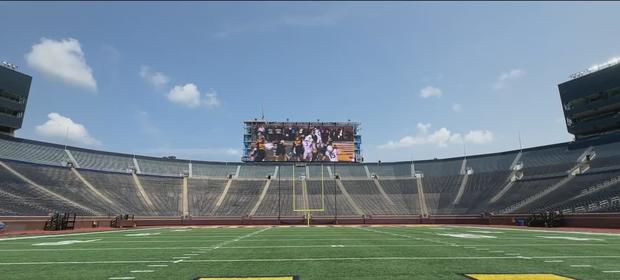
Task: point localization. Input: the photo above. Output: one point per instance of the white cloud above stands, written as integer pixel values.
(507, 78)
(62, 129)
(479, 137)
(210, 99)
(441, 137)
(62, 60)
(157, 79)
(423, 127)
(189, 96)
(430, 91)
(186, 95)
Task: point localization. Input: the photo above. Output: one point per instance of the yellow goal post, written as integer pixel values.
(306, 209)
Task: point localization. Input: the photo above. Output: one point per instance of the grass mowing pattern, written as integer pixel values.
(316, 253)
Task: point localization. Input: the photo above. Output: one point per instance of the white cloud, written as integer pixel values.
(430, 91)
(423, 127)
(441, 137)
(157, 79)
(62, 60)
(210, 99)
(187, 95)
(405, 142)
(457, 107)
(60, 129)
(479, 137)
(611, 61)
(507, 78)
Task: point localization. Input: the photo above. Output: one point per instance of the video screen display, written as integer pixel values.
(304, 142)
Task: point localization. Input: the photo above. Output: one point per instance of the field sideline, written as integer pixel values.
(392, 252)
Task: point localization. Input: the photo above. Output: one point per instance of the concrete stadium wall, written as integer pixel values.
(15, 223)
(18, 224)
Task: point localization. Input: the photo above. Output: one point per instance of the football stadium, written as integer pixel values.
(303, 202)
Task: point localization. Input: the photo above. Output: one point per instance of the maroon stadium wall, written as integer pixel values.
(18, 224)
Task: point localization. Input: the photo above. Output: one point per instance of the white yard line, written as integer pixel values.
(182, 239)
(313, 259)
(542, 230)
(84, 262)
(313, 239)
(218, 245)
(410, 236)
(74, 234)
(295, 246)
(187, 258)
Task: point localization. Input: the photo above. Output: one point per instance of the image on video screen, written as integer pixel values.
(308, 142)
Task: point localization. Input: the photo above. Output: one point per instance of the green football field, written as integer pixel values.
(400, 252)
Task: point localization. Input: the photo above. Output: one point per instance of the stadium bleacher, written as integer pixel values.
(480, 189)
(404, 194)
(205, 193)
(162, 166)
(28, 151)
(119, 187)
(366, 194)
(240, 198)
(213, 170)
(62, 181)
(165, 194)
(102, 161)
(36, 180)
(390, 170)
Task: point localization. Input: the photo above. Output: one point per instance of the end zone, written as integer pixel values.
(250, 278)
(532, 276)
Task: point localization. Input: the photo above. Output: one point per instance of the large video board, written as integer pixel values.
(300, 141)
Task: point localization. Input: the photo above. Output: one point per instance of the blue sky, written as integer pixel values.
(424, 79)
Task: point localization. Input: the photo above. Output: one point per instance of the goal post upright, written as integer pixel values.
(307, 210)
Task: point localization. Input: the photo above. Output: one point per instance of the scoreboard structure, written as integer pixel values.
(14, 90)
(271, 141)
(591, 101)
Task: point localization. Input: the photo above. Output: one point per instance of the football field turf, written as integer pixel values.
(394, 252)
